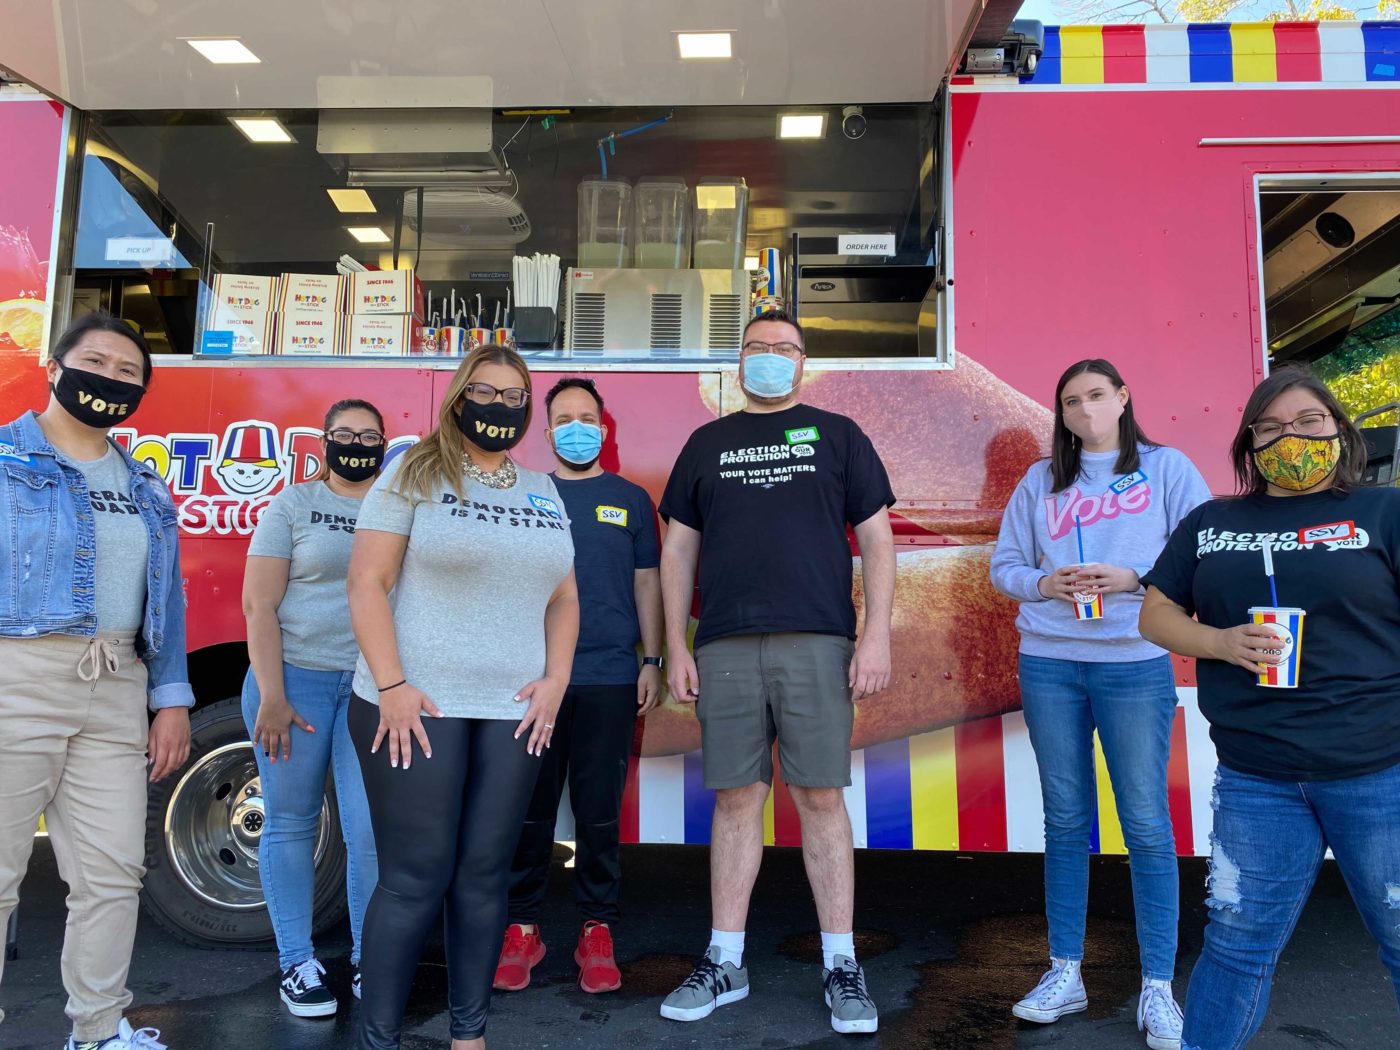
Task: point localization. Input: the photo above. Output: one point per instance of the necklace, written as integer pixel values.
(503, 477)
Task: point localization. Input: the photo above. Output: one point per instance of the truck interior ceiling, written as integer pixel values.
(168, 195)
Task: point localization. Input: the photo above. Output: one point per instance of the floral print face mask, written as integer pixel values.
(1298, 463)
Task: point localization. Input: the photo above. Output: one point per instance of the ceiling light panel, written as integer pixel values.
(802, 126)
(351, 200)
(228, 52)
(262, 129)
(705, 45)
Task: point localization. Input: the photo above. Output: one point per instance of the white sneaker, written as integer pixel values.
(1060, 992)
(1159, 1016)
(126, 1038)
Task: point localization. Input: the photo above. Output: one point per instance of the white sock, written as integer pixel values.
(834, 944)
(1064, 964)
(730, 945)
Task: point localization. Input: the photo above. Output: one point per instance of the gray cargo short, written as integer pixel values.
(792, 688)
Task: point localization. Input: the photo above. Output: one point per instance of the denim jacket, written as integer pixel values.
(48, 556)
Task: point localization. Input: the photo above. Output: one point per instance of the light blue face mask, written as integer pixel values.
(578, 443)
(769, 375)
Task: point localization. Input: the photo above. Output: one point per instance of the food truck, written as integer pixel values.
(954, 204)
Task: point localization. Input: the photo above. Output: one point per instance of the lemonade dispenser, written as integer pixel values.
(604, 223)
(662, 210)
(721, 223)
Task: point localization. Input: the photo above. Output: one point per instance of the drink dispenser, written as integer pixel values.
(662, 209)
(604, 223)
(721, 223)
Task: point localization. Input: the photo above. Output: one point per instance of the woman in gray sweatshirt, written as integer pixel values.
(1078, 532)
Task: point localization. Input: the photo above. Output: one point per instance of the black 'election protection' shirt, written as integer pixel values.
(771, 495)
(1343, 719)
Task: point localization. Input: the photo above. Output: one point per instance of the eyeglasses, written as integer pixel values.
(1310, 424)
(345, 436)
(485, 393)
(786, 349)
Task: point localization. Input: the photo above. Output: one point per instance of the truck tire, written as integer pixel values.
(202, 830)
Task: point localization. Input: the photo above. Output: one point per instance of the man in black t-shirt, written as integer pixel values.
(760, 501)
(613, 524)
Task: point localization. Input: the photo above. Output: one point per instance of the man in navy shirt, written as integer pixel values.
(616, 559)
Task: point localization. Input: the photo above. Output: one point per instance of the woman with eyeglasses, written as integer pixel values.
(463, 600)
(1312, 765)
(297, 692)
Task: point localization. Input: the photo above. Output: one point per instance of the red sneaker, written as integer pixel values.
(597, 970)
(520, 953)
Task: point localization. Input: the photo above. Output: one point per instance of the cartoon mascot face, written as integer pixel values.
(249, 465)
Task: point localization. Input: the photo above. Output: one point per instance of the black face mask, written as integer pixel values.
(96, 400)
(495, 427)
(353, 462)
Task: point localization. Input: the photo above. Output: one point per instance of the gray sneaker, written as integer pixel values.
(711, 984)
(852, 1009)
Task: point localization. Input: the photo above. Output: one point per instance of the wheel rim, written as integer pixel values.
(213, 824)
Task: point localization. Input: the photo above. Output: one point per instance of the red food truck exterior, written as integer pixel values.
(1108, 205)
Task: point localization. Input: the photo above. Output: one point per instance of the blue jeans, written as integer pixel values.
(1132, 705)
(292, 794)
(1266, 850)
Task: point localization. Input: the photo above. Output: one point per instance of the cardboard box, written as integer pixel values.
(310, 334)
(238, 293)
(311, 295)
(383, 335)
(252, 332)
(386, 292)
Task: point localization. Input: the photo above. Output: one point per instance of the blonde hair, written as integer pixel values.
(436, 461)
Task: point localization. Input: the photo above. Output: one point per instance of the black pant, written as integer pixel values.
(444, 829)
(591, 745)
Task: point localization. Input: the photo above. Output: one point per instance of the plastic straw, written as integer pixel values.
(1079, 535)
(1269, 572)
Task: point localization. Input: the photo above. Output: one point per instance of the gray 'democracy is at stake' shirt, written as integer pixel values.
(469, 604)
(313, 528)
(123, 546)
(1125, 519)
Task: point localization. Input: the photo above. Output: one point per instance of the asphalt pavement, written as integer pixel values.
(949, 942)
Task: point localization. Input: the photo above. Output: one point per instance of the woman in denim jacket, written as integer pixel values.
(92, 628)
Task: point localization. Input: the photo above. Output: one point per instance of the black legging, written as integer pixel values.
(445, 830)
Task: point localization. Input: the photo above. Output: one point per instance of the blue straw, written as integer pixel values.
(1079, 535)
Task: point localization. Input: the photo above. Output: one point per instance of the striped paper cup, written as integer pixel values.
(1287, 624)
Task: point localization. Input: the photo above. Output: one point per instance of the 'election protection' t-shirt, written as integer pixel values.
(614, 531)
(477, 575)
(314, 529)
(772, 494)
(1338, 559)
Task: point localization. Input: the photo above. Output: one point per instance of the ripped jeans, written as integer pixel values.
(1267, 848)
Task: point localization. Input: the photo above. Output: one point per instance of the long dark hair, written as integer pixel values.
(1350, 466)
(346, 405)
(1065, 447)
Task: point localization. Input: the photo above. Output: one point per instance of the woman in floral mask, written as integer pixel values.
(1315, 764)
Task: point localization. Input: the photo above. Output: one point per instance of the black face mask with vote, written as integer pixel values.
(96, 400)
(495, 427)
(353, 462)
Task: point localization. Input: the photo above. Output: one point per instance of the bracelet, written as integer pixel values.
(386, 688)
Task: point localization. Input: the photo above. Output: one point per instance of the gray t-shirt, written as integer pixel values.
(470, 600)
(123, 546)
(313, 528)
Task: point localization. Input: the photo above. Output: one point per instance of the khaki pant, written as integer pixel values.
(73, 732)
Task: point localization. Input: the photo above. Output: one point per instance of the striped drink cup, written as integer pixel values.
(1287, 624)
(1087, 606)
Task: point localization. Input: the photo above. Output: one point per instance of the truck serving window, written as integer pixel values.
(630, 238)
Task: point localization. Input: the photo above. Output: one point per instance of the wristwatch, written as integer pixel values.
(653, 661)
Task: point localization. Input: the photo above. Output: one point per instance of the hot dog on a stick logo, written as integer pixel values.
(222, 482)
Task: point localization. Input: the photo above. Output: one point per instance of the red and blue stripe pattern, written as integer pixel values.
(1221, 53)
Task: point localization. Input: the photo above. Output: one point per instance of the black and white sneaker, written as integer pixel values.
(355, 980)
(304, 993)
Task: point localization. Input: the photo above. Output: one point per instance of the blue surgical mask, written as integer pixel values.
(578, 443)
(769, 375)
